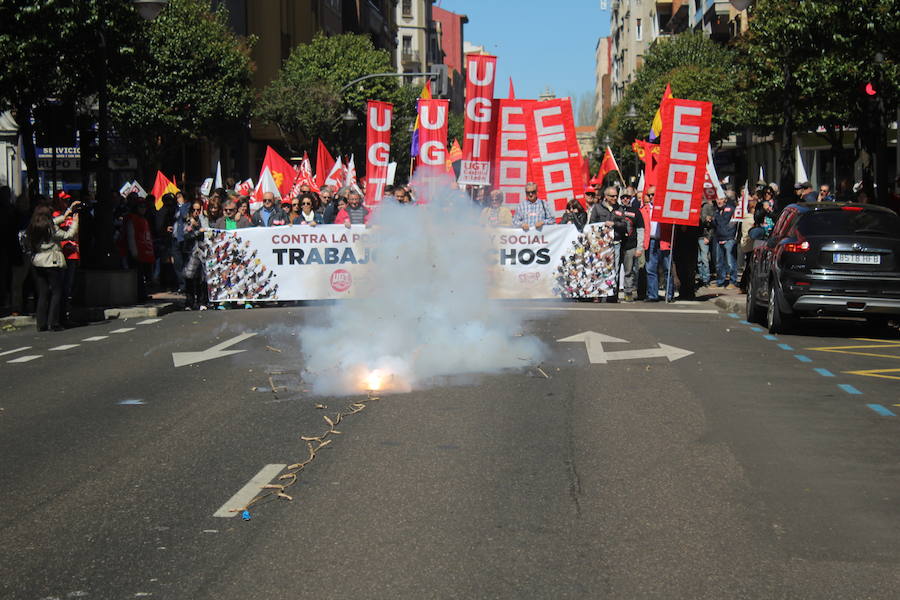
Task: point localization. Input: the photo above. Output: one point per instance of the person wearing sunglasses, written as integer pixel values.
(230, 219)
(303, 213)
(534, 212)
(495, 214)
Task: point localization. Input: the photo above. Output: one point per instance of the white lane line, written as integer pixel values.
(677, 311)
(22, 359)
(246, 493)
(64, 347)
(122, 330)
(14, 350)
(149, 321)
(95, 338)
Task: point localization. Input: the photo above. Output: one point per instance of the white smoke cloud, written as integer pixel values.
(426, 313)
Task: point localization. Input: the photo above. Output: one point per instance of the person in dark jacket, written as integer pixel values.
(44, 238)
(194, 228)
(724, 233)
(707, 212)
(270, 215)
(575, 214)
(229, 219)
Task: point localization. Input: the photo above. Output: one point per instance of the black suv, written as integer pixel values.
(829, 259)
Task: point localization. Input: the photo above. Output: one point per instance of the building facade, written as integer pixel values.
(451, 41)
(418, 46)
(602, 79)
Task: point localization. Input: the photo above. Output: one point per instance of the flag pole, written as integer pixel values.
(669, 274)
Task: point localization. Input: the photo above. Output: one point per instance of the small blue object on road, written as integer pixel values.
(802, 358)
(881, 410)
(824, 372)
(245, 515)
(130, 402)
(784, 347)
(849, 389)
(770, 337)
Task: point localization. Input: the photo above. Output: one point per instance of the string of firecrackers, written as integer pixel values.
(292, 475)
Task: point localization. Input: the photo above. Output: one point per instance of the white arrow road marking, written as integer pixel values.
(22, 359)
(218, 351)
(14, 350)
(593, 343)
(246, 493)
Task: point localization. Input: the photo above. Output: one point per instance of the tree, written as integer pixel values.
(808, 63)
(192, 81)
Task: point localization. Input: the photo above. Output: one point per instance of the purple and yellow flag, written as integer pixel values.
(425, 95)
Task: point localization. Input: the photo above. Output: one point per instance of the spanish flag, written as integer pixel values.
(161, 187)
(656, 127)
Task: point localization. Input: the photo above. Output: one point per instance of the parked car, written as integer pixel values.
(827, 259)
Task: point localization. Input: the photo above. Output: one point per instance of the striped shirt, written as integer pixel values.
(529, 213)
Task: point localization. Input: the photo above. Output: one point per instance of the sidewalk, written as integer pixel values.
(729, 299)
(159, 304)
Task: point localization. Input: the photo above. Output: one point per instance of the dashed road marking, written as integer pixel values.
(849, 389)
(95, 338)
(249, 491)
(882, 410)
(824, 372)
(734, 315)
(756, 329)
(122, 330)
(64, 347)
(785, 347)
(770, 337)
(23, 359)
(14, 350)
(149, 321)
(802, 358)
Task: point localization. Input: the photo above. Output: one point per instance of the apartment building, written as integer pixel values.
(418, 45)
(602, 79)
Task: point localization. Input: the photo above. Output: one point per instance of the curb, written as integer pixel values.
(100, 314)
(734, 304)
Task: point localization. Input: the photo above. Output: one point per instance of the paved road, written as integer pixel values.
(743, 470)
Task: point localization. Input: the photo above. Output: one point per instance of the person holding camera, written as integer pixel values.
(45, 238)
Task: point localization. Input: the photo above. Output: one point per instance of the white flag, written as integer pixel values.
(800, 175)
(218, 182)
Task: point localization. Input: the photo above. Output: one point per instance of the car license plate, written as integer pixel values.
(857, 259)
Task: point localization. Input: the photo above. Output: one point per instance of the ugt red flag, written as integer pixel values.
(554, 153)
(433, 134)
(682, 164)
(512, 170)
(378, 149)
(281, 170)
(481, 70)
(324, 163)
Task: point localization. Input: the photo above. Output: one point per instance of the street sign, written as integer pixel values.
(597, 355)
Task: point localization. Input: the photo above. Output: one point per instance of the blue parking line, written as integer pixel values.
(881, 410)
(734, 315)
(824, 372)
(744, 322)
(802, 358)
(769, 337)
(784, 347)
(849, 389)
(756, 329)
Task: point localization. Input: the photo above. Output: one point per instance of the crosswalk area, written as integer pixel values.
(16, 355)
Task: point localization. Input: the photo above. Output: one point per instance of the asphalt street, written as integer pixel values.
(754, 467)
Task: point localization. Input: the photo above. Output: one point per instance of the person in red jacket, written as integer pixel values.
(70, 250)
(658, 250)
(140, 245)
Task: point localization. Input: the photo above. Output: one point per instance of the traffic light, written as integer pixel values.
(440, 83)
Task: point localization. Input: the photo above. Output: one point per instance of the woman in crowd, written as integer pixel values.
(213, 209)
(495, 214)
(575, 214)
(243, 208)
(70, 251)
(44, 238)
(303, 211)
(196, 294)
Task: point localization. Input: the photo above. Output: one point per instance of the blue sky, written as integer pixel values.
(539, 44)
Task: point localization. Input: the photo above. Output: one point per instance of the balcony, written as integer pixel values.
(410, 57)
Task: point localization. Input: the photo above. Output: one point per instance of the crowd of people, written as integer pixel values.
(162, 241)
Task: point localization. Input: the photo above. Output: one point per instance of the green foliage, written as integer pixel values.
(192, 80)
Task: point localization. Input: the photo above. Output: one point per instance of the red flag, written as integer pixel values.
(433, 121)
(607, 166)
(324, 162)
(378, 149)
(682, 164)
(553, 152)
(586, 171)
(304, 177)
(512, 168)
(282, 171)
(162, 186)
(649, 153)
(481, 70)
(511, 94)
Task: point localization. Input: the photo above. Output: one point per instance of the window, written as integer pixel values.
(407, 8)
(407, 44)
(639, 30)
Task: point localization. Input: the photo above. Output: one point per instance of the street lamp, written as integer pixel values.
(632, 113)
(348, 117)
(149, 9)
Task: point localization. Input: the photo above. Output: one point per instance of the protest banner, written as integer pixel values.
(511, 149)
(378, 149)
(433, 123)
(554, 153)
(682, 164)
(481, 70)
(332, 261)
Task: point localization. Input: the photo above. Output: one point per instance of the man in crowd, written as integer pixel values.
(355, 213)
(401, 195)
(329, 204)
(534, 212)
(632, 247)
(658, 250)
(270, 214)
(590, 198)
(707, 212)
(724, 232)
(804, 192)
(825, 193)
(229, 219)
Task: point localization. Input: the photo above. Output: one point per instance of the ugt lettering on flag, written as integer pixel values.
(378, 149)
(478, 135)
(682, 163)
